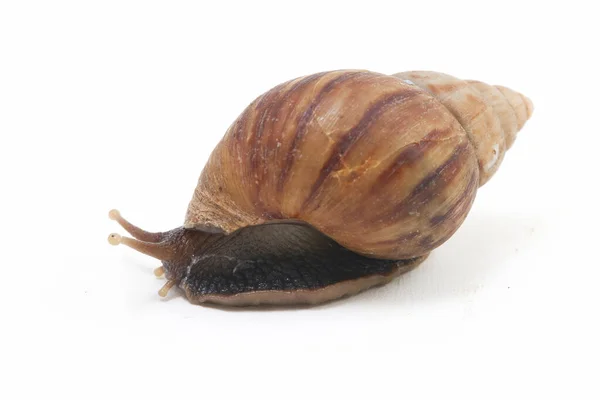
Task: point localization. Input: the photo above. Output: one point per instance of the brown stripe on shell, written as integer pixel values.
(268, 106)
(472, 111)
(345, 143)
(277, 136)
(239, 127)
(409, 155)
(255, 133)
(465, 198)
(240, 132)
(302, 125)
(456, 212)
(275, 99)
(428, 186)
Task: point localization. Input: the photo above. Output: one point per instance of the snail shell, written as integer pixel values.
(387, 166)
(490, 115)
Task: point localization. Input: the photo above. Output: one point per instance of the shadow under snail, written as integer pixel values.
(333, 183)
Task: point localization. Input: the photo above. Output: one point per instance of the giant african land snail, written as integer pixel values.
(332, 183)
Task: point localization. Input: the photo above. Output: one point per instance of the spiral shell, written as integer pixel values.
(387, 167)
(491, 115)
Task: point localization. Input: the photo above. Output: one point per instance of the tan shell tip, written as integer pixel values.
(114, 239)
(528, 105)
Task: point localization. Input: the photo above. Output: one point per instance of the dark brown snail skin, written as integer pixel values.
(332, 183)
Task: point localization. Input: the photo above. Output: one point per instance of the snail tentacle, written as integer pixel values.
(133, 230)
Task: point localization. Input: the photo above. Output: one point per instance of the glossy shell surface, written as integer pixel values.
(376, 163)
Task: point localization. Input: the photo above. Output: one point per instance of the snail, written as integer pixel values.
(333, 183)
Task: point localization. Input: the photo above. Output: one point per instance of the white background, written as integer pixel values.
(118, 104)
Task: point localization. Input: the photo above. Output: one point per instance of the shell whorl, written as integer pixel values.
(491, 115)
(379, 165)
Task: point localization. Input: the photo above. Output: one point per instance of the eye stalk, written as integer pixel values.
(152, 244)
(114, 239)
(175, 248)
(136, 232)
(160, 250)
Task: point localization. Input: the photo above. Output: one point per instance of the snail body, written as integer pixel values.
(335, 182)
